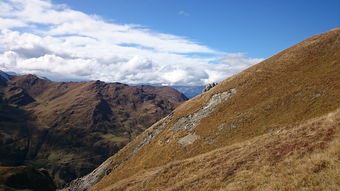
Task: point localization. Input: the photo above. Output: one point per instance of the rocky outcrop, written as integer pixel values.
(209, 86)
(191, 121)
(188, 139)
(85, 182)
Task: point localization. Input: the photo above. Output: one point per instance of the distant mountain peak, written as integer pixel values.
(4, 75)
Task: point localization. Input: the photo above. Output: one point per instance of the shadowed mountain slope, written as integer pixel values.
(25, 178)
(70, 128)
(272, 114)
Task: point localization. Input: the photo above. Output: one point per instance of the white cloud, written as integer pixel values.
(183, 13)
(8, 23)
(43, 38)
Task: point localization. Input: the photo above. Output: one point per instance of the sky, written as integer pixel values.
(169, 42)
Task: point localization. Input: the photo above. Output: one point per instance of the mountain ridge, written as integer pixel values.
(298, 84)
(57, 125)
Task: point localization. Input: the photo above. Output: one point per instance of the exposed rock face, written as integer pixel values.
(188, 139)
(191, 121)
(272, 118)
(85, 182)
(70, 128)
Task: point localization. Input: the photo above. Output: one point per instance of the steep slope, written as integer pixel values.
(299, 157)
(283, 92)
(4, 76)
(70, 128)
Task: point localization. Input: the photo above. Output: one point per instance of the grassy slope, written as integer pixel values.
(296, 85)
(301, 157)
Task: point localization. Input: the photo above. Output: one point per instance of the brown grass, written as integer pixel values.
(303, 157)
(296, 85)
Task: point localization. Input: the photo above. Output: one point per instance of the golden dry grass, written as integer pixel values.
(296, 85)
(301, 157)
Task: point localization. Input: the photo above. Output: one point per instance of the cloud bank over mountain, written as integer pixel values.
(52, 40)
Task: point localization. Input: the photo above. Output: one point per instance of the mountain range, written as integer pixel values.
(190, 91)
(69, 128)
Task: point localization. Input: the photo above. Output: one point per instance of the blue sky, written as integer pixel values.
(170, 42)
(259, 28)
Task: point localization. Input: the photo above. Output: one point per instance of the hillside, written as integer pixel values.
(301, 157)
(24, 178)
(69, 128)
(278, 119)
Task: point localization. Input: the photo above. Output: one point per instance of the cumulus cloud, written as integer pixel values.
(52, 40)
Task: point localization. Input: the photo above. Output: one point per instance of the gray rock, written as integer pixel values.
(191, 121)
(188, 139)
(86, 182)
